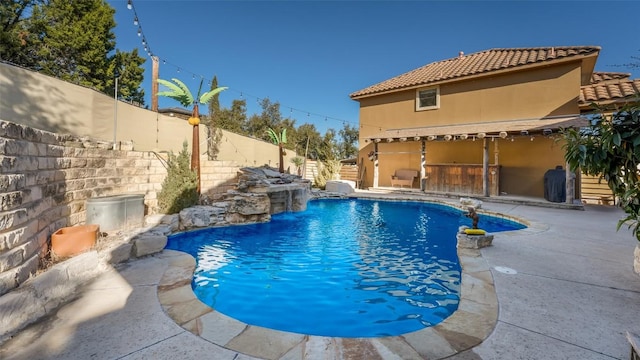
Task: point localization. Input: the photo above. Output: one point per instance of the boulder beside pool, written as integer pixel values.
(473, 241)
(341, 186)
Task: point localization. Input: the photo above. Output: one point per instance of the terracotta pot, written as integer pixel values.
(69, 241)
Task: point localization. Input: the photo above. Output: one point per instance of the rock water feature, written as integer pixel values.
(260, 192)
(286, 192)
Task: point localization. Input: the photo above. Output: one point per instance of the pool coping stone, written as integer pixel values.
(467, 327)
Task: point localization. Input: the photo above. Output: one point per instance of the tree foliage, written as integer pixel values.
(70, 40)
(270, 117)
(127, 67)
(349, 140)
(304, 140)
(610, 148)
(234, 118)
(214, 133)
(74, 39)
(308, 141)
(15, 38)
(179, 186)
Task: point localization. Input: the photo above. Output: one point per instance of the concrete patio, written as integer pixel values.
(565, 291)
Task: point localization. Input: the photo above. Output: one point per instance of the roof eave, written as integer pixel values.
(585, 73)
(605, 103)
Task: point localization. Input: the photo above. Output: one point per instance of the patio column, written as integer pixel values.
(496, 152)
(423, 162)
(375, 165)
(570, 179)
(485, 167)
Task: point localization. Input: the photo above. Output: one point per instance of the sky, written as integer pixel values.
(310, 55)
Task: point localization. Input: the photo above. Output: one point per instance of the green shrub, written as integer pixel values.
(327, 170)
(179, 188)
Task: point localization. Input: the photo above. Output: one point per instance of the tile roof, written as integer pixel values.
(476, 63)
(489, 128)
(598, 76)
(619, 90)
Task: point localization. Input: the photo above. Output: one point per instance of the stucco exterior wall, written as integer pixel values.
(49, 104)
(533, 93)
(247, 151)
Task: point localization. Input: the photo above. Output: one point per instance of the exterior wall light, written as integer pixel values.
(448, 137)
(481, 135)
(503, 134)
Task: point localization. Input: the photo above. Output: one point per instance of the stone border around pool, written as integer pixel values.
(468, 326)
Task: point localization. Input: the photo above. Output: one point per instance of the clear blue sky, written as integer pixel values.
(310, 55)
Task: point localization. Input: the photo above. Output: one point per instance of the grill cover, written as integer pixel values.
(555, 185)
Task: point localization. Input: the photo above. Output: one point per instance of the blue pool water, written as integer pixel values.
(342, 268)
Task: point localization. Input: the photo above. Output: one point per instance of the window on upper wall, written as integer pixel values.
(428, 98)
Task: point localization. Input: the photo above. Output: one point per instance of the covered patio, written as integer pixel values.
(480, 179)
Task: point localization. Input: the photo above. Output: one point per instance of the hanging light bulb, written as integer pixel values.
(144, 41)
(135, 21)
(139, 32)
(129, 5)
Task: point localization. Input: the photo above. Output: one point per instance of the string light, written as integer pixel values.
(147, 48)
(136, 22)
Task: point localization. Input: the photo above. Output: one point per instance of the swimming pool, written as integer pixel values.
(343, 268)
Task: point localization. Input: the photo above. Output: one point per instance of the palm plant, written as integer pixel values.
(180, 92)
(280, 140)
(298, 162)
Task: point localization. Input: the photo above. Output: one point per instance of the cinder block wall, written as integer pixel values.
(46, 178)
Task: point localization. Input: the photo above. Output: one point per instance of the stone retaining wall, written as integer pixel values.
(46, 178)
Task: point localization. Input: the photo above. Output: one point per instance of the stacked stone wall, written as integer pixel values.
(46, 178)
(218, 176)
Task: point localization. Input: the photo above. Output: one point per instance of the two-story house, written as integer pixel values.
(486, 123)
